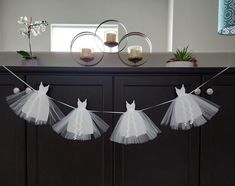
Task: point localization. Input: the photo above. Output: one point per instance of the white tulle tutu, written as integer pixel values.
(80, 124)
(134, 127)
(189, 110)
(35, 106)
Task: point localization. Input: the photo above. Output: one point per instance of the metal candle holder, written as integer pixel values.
(113, 43)
(87, 57)
(139, 57)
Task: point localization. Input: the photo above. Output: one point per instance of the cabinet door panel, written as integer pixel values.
(171, 158)
(12, 138)
(217, 137)
(53, 160)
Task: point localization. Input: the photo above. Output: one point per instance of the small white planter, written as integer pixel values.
(179, 64)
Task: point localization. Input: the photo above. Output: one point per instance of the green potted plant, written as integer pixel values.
(28, 30)
(182, 58)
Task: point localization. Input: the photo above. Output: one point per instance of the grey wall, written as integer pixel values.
(195, 24)
(170, 24)
(149, 17)
(1, 42)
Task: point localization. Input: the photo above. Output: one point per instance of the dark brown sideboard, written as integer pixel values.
(36, 156)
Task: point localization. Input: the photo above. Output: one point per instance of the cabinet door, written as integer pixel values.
(53, 160)
(171, 158)
(217, 136)
(12, 138)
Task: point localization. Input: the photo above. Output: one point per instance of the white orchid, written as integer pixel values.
(23, 20)
(30, 28)
(23, 31)
(43, 28)
(34, 32)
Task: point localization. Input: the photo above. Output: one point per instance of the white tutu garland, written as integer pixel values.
(81, 124)
(189, 110)
(134, 127)
(35, 106)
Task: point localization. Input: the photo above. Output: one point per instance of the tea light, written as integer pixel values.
(135, 53)
(86, 54)
(111, 37)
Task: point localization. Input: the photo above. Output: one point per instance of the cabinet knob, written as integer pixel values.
(197, 91)
(209, 91)
(16, 90)
(28, 90)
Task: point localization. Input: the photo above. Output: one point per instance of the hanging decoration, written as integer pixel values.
(81, 124)
(134, 127)
(189, 110)
(35, 106)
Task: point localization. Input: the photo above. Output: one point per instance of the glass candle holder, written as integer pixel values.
(83, 47)
(135, 53)
(111, 38)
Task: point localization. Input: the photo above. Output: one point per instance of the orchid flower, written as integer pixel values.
(23, 20)
(30, 28)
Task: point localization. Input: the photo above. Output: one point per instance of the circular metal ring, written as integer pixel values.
(117, 43)
(139, 61)
(87, 61)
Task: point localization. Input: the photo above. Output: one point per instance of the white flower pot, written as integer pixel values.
(179, 64)
(29, 62)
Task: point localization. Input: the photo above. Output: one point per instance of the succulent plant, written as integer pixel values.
(183, 55)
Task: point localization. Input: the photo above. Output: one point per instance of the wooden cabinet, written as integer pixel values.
(53, 160)
(170, 159)
(12, 138)
(36, 156)
(217, 136)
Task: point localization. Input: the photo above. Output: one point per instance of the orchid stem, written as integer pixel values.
(30, 50)
(29, 37)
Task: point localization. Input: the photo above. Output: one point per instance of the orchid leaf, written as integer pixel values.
(24, 54)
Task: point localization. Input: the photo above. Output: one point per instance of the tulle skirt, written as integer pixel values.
(34, 107)
(80, 125)
(188, 111)
(134, 127)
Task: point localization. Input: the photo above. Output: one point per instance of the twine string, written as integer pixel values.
(116, 112)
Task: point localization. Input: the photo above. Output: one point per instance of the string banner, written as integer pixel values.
(133, 127)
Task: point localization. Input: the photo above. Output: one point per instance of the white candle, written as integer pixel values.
(86, 53)
(111, 37)
(135, 52)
